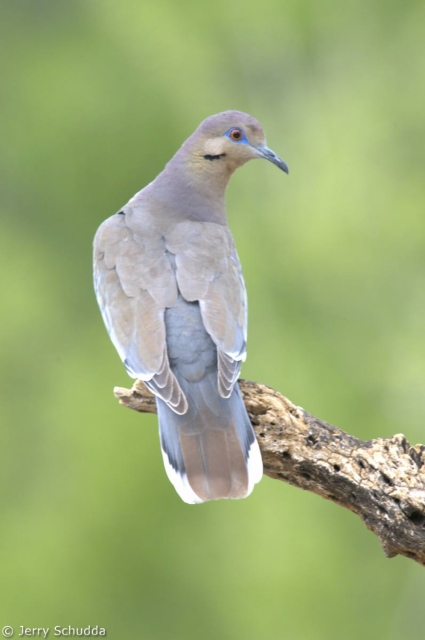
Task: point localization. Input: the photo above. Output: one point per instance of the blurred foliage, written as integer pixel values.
(96, 97)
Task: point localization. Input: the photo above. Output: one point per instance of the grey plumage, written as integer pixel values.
(170, 288)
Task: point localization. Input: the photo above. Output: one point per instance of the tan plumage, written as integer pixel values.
(170, 288)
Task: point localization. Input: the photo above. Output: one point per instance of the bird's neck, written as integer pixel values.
(193, 187)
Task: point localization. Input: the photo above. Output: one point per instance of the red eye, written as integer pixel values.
(236, 134)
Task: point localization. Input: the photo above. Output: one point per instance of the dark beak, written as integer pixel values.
(268, 154)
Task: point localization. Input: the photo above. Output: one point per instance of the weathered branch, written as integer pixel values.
(382, 480)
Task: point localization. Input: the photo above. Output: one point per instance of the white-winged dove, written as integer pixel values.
(170, 288)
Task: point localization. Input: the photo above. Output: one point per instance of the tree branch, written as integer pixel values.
(381, 480)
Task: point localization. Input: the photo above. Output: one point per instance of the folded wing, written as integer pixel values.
(134, 282)
(208, 270)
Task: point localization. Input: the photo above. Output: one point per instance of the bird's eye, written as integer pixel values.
(235, 134)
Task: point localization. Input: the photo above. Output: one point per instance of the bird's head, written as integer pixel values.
(229, 139)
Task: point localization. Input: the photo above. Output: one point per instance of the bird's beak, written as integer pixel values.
(268, 154)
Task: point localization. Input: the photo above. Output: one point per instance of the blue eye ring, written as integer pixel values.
(235, 134)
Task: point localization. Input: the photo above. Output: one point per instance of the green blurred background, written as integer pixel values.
(95, 97)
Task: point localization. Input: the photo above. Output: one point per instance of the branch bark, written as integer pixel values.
(381, 480)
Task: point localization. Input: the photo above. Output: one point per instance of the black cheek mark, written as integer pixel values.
(208, 157)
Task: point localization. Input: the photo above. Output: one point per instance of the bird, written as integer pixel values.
(170, 288)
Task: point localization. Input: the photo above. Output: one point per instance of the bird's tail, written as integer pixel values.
(211, 451)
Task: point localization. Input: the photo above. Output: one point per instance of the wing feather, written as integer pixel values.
(208, 270)
(134, 282)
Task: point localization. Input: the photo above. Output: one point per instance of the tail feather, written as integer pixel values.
(211, 451)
